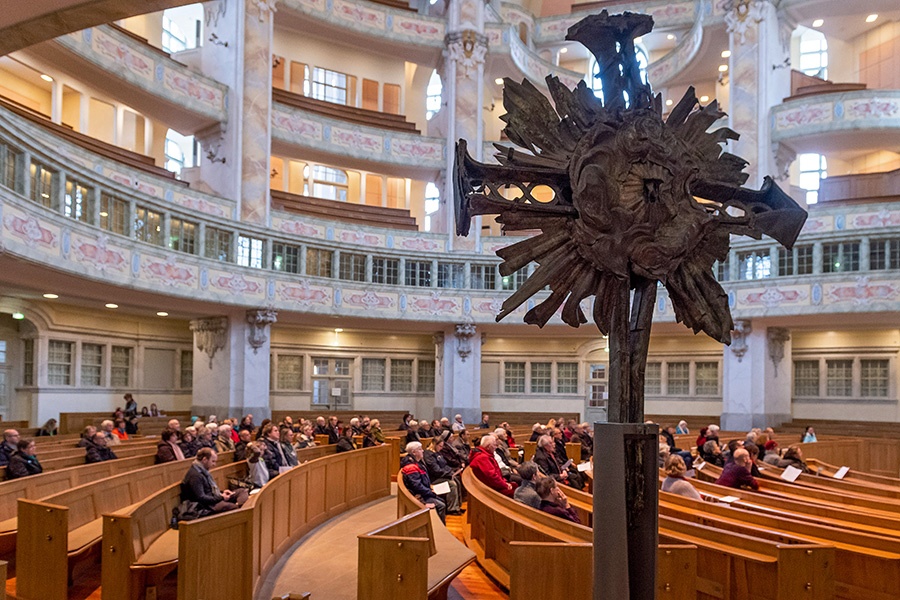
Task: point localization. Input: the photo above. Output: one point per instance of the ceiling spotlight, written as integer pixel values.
(818, 23)
(51, 296)
(671, 36)
(871, 18)
(726, 53)
(669, 102)
(563, 50)
(704, 98)
(723, 68)
(499, 81)
(111, 305)
(162, 313)
(18, 316)
(46, 78)
(338, 330)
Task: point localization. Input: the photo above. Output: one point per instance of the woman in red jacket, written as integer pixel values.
(486, 469)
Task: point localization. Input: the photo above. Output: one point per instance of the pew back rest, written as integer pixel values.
(391, 564)
(55, 482)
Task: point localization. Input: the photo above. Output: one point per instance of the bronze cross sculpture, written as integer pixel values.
(637, 201)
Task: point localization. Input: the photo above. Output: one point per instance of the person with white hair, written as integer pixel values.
(224, 443)
(537, 430)
(485, 468)
(682, 428)
(106, 427)
(417, 481)
(174, 425)
(355, 427)
(507, 464)
(458, 424)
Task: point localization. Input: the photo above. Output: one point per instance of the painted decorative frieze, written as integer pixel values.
(859, 110)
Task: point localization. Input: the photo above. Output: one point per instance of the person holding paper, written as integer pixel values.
(441, 472)
(736, 474)
(417, 481)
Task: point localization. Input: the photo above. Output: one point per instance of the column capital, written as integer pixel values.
(742, 14)
(467, 48)
(464, 333)
(259, 319)
(265, 9)
(742, 329)
(777, 336)
(210, 335)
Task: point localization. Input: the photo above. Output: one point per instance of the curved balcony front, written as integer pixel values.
(140, 75)
(418, 38)
(863, 120)
(329, 140)
(41, 243)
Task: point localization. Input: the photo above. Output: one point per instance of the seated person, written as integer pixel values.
(273, 453)
(537, 430)
(98, 451)
(526, 493)
(189, 444)
(49, 429)
(772, 455)
(240, 449)
(485, 468)
(332, 430)
(809, 435)
(682, 428)
(306, 438)
(287, 444)
(86, 436)
(439, 471)
(736, 474)
(547, 461)
(712, 453)
(106, 428)
(168, 450)
(753, 449)
(412, 434)
(200, 487)
(376, 432)
(24, 461)
(485, 421)
(223, 439)
(345, 442)
(416, 480)
(554, 501)
(675, 481)
(793, 457)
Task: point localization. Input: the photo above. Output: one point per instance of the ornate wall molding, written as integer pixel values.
(742, 329)
(259, 319)
(777, 336)
(464, 334)
(210, 335)
(741, 15)
(467, 48)
(784, 157)
(265, 9)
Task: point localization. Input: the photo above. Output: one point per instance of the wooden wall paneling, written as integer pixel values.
(117, 557)
(205, 548)
(335, 486)
(47, 527)
(316, 506)
(297, 498)
(392, 567)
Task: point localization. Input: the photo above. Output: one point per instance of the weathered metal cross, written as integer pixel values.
(636, 201)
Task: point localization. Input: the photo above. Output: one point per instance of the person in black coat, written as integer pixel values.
(439, 471)
(273, 454)
(345, 443)
(200, 487)
(332, 431)
(98, 451)
(9, 445)
(412, 434)
(416, 480)
(24, 461)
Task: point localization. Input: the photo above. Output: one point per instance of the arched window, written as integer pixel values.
(432, 203)
(813, 169)
(814, 54)
(181, 28)
(433, 95)
(182, 152)
(596, 84)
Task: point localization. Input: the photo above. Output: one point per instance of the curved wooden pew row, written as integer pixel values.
(68, 526)
(530, 552)
(857, 555)
(145, 547)
(286, 509)
(825, 469)
(769, 472)
(78, 458)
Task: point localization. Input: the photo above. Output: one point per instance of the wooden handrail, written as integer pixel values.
(353, 114)
(377, 216)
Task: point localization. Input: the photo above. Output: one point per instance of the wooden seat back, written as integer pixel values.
(78, 458)
(391, 561)
(50, 520)
(287, 508)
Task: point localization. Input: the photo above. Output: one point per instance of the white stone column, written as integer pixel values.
(759, 78)
(236, 161)
(756, 390)
(231, 364)
(458, 376)
(463, 78)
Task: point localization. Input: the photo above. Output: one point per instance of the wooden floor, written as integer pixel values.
(472, 583)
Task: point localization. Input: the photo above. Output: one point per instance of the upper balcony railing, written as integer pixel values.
(147, 78)
(79, 214)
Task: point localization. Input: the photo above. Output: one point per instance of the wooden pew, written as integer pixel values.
(146, 549)
(351, 114)
(495, 522)
(573, 451)
(54, 482)
(858, 555)
(349, 212)
(285, 510)
(75, 422)
(391, 564)
(52, 453)
(78, 458)
(827, 470)
(71, 523)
